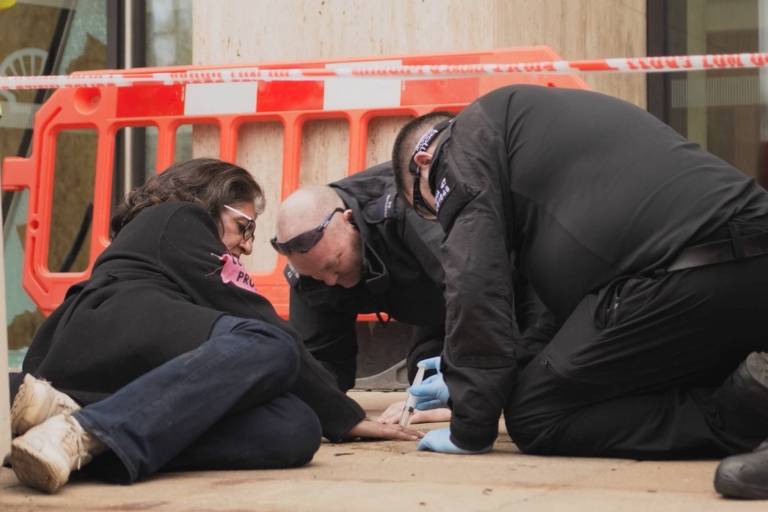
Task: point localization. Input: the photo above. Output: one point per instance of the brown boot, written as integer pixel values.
(44, 457)
(35, 402)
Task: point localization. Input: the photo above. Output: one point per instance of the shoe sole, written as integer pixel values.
(32, 470)
(733, 489)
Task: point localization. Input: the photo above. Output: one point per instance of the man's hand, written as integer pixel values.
(432, 393)
(393, 413)
(440, 441)
(372, 430)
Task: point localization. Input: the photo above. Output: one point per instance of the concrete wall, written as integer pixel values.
(5, 419)
(254, 31)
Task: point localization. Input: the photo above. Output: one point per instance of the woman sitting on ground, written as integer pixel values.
(167, 358)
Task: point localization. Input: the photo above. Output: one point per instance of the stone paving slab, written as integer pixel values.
(393, 477)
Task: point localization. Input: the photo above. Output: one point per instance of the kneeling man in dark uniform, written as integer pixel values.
(651, 251)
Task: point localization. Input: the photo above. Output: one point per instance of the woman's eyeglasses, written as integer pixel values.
(305, 241)
(247, 229)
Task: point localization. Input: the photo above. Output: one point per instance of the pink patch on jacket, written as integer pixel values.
(232, 271)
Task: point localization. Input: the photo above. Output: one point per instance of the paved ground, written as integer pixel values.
(394, 477)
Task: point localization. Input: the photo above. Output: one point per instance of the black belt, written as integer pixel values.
(736, 247)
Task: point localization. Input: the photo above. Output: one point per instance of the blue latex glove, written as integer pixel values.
(432, 393)
(440, 441)
(433, 363)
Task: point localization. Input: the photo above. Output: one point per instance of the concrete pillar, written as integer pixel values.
(257, 31)
(5, 417)
(697, 82)
(762, 23)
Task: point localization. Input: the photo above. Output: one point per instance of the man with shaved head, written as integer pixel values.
(311, 211)
(354, 248)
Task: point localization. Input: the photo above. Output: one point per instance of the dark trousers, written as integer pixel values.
(637, 370)
(223, 405)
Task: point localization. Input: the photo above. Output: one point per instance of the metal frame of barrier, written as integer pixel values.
(107, 109)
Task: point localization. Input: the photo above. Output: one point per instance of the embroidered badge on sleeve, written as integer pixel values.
(442, 192)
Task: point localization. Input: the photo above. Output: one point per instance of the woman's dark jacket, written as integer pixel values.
(154, 294)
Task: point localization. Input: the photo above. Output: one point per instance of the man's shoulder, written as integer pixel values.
(383, 208)
(368, 185)
(373, 195)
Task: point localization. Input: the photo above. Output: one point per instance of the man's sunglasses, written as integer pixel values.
(246, 230)
(419, 203)
(305, 241)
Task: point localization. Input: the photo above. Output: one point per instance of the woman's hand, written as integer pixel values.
(372, 430)
(393, 413)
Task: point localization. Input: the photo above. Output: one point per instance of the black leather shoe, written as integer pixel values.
(746, 475)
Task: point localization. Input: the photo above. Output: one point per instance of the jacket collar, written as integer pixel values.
(375, 276)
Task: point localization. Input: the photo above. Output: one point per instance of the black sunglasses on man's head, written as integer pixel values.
(305, 241)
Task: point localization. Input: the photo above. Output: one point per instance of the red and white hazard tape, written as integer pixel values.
(679, 63)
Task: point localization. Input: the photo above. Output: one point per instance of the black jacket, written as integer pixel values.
(582, 188)
(402, 275)
(403, 279)
(154, 294)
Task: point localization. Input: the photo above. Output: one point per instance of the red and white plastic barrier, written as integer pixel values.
(678, 63)
(227, 97)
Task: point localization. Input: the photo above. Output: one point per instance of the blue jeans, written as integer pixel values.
(223, 405)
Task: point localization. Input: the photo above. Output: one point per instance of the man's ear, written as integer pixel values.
(348, 217)
(422, 158)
